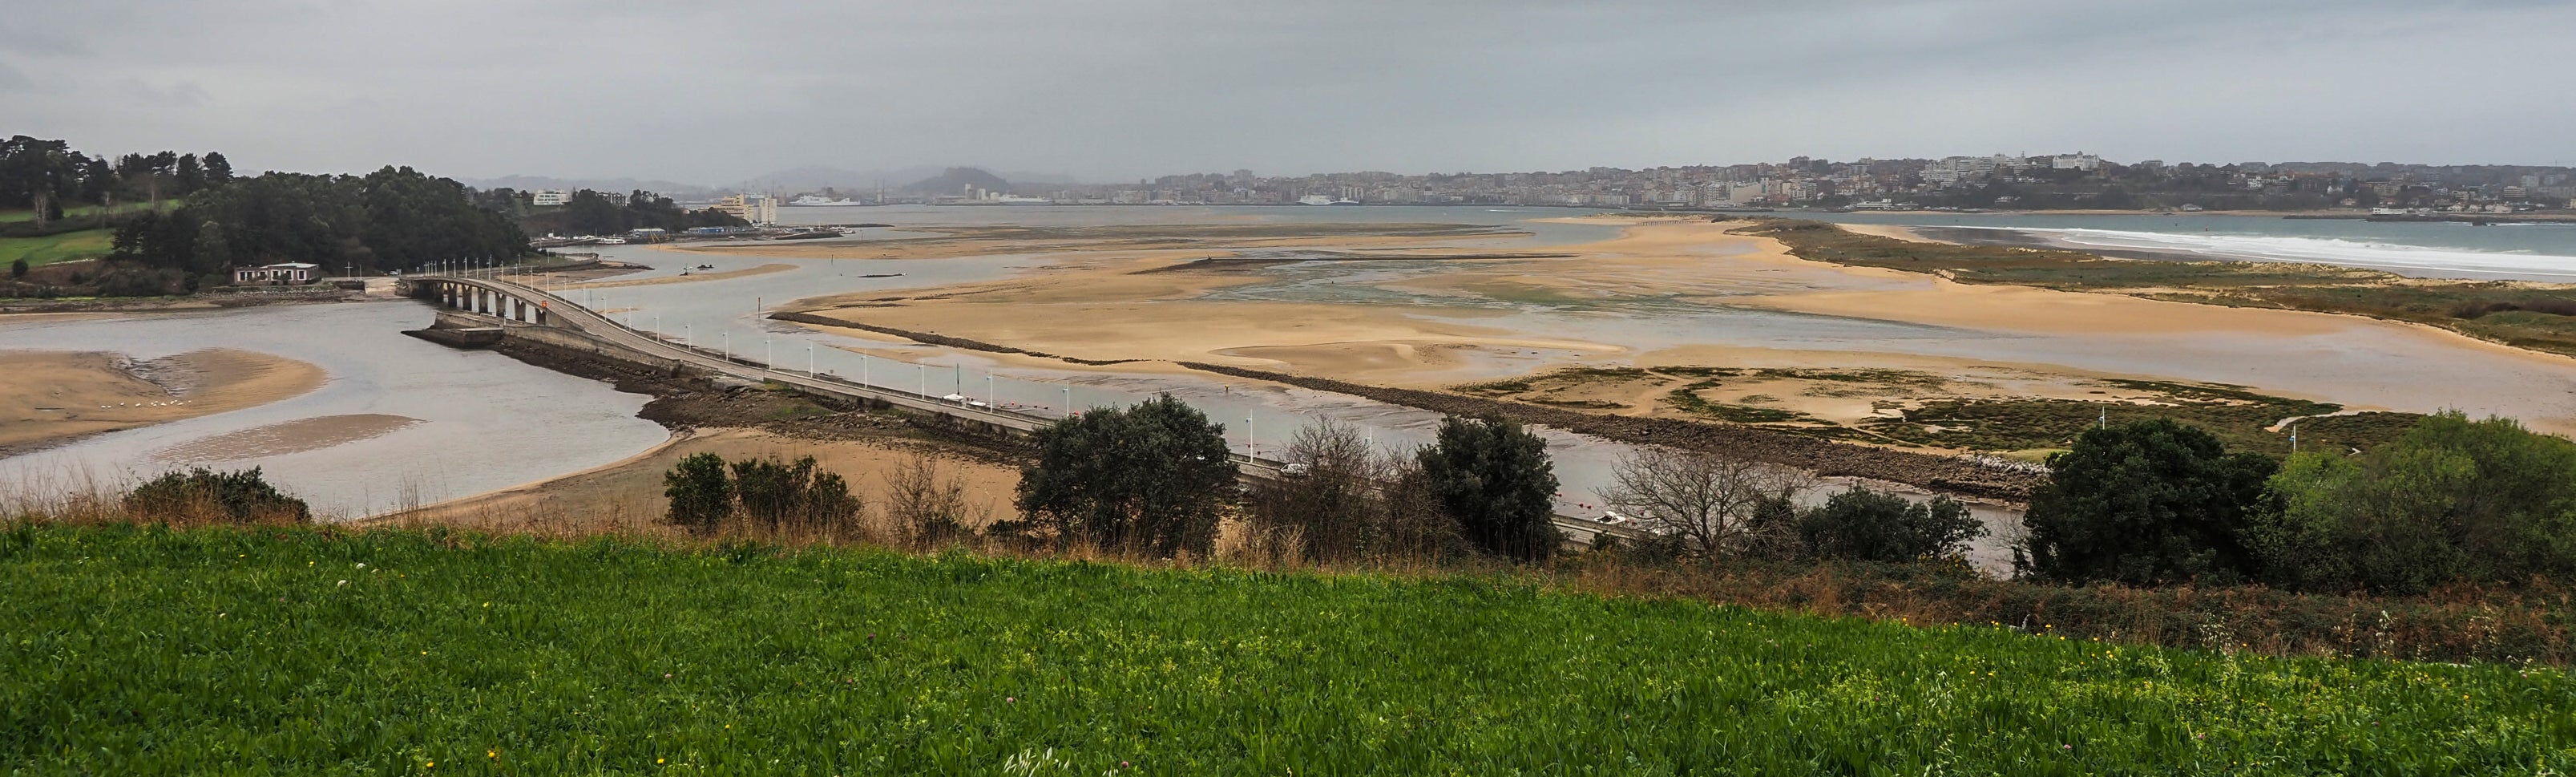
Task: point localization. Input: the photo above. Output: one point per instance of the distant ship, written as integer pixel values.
(1318, 199)
(810, 201)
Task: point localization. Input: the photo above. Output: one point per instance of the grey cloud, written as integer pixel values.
(715, 92)
(14, 80)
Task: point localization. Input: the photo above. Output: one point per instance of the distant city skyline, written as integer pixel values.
(1116, 91)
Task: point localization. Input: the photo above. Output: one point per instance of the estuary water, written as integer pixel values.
(489, 422)
(483, 421)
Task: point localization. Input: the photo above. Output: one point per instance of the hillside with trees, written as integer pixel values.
(173, 223)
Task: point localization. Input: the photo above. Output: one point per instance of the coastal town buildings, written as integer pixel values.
(2034, 181)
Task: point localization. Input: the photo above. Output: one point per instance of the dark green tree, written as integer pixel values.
(1861, 524)
(1494, 477)
(2143, 503)
(1152, 478)
(18, 267)
(208, 253)
(199, 493)
(188, 176)
(219, 171)
(590, 213)
(701, 496)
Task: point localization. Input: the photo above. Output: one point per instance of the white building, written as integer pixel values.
(2075, 161)
(284, 274)
(545, 197)
(754, 208)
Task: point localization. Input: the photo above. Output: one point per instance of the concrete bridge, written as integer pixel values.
(477, 312)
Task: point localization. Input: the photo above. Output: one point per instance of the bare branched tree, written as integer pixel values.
(1328, 502)
(1713, 505)
(926, 507)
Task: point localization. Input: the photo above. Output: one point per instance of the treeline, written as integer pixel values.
(395, 218)
(48, 177)
(593, 213)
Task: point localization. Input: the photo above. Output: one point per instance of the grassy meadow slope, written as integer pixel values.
(147, 650)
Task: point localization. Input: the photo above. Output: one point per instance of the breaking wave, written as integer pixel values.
(2406, 259)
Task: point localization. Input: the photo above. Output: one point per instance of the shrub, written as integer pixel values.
(2145, 502)
(1494, 478)
(701, 496)
(201, 494)
(1860, 524)
(776, 495)
(2453, 500)
(1152, 478)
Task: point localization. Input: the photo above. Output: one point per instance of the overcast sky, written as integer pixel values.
(718, 92)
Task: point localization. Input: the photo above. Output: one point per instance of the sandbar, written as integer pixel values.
(51, 397)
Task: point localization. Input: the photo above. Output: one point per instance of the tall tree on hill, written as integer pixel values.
(1152, 478)
(1494, 477)
(36, 174)
(187, 176)
(219, 171)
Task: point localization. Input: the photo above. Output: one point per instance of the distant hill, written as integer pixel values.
(954, 180)
(531, 182)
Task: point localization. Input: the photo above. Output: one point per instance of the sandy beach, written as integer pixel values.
(50, 397)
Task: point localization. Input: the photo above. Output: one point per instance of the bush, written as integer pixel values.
(201, 494)
(2452, 501)
(777, 495)
(1494, 478)
(1864, 525)
(1152, 478)
(2142, 503)
(701, 496)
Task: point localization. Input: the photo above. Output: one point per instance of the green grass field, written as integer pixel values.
(41, 251)
(78, 211)
(148, 651)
